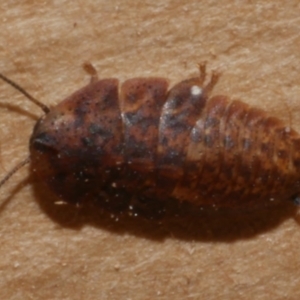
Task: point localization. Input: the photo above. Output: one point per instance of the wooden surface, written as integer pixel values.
(56, 252)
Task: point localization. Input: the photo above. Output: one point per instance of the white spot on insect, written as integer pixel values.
(196, 90)
(287, 129)
(60, 203)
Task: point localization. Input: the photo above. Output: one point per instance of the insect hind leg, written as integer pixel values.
(91, 70)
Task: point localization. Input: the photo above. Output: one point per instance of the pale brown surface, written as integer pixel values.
(50, 252)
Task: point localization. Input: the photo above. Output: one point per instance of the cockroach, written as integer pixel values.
(145, 144)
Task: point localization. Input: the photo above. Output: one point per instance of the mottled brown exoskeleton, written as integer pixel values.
(134, 148)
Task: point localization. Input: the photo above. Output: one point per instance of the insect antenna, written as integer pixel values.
(35, 101)
(14, 170)
(27, 95)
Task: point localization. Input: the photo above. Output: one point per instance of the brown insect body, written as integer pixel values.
(145, 144)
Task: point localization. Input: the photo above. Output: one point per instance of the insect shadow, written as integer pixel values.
(19, 111)
(184, 222)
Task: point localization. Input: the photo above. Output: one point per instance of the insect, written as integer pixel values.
(134, 148)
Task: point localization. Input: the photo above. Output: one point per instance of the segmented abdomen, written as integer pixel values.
(212, 151)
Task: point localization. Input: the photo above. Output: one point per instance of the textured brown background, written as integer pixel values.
(49, 252)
